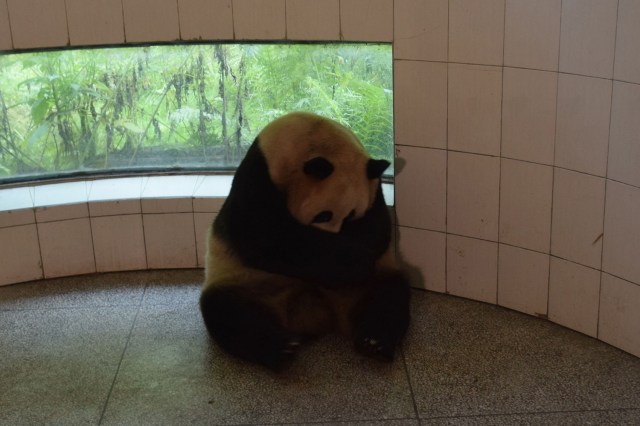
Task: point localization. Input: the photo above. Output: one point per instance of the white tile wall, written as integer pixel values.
(420, 29)
(36, 23)
(472, 268)
(259, 19)
(475, 99)
(624, 139)
(587, 37)
(420, 115)
(529, 115)
(582, 135)
(206, 19)
(95, 22)
(574, 296)
(523, 280)
(532, 34)
(151, 20)
(525, 204)
(424, 252)
(619, 321)
(20, 254)
(313, 20)
(5, 29)
(578, 208)
(66, 247)
(472, 195)
(627, 62)
(366, 20)
(118, 243)
(622, 232)
(476, 31)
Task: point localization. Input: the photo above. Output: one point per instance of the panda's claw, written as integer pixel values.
(376, 348)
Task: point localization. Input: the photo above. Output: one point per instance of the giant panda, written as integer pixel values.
(301, 247)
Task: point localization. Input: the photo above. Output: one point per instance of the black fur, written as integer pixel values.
(318, 167)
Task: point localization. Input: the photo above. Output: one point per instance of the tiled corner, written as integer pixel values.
(472, 268)
(574, 296)
(35, 23)
(582, 133)
(205, 19)
(619, 321)
(420, 29)
(20, 254)
(476, 31)
(420, 103)
(422, 254)
(375, 24)
(202, 221)
(95, 22)
(259, 19)
(523, 280)
(420, 187)
(622, 232)
(525, 204)
(529, 115)
(587, 37)
(472, 195)
(170, 240)
(210, 193)
(118, 243)
(624, 138)
(475, 101)
(627, 56)
(313, 20)
(532, 34)
(578, 208)
(66, 247)
(16, 207)
(5, 29)
(151, 20)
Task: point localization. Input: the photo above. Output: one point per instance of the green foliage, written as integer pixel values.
(180, 106)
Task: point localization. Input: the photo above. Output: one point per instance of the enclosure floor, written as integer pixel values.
(131, 349)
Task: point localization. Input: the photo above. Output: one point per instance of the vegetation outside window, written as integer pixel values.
(179, 107)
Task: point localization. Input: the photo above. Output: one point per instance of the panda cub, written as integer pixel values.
(301, 248)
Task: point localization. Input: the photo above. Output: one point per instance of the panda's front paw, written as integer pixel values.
(376, 347)
(280, 355)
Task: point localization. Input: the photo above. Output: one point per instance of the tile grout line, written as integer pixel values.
(408, 377)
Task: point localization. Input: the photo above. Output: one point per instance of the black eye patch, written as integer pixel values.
(323, 217)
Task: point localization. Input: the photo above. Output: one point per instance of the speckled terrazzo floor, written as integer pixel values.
(130, 349)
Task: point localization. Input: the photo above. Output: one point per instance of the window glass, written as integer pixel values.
(179, 107)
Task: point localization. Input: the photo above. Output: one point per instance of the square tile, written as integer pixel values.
(619, 321)
(582, 132)
(420, 188)
(529, 115)
(627, 57)
(113, 208)
(523, 280)
(95, 22)
(366, 20)
(66, 247)
(472, 268)
(420, 103)
(475, 102)
(5, 30)
(170, 240)
(574, 292)
(20, 254)
(587, 37)
(624, 137)
(622, 232)
(473, 195)
(422, 255)
(578, 209)
(151, 20)
(118, 243)
(167, 205)
(313, 20)
(476, 31)
(259, 19)
(205, 19)
(532, 34)
(420, 29)
(35, 23)
(61, 212)
(17, 217)
(525, 204)
(202, 221)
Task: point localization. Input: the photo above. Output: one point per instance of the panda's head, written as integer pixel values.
(322, 168)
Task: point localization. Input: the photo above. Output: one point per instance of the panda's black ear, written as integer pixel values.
(318, 167)
(375, 168)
